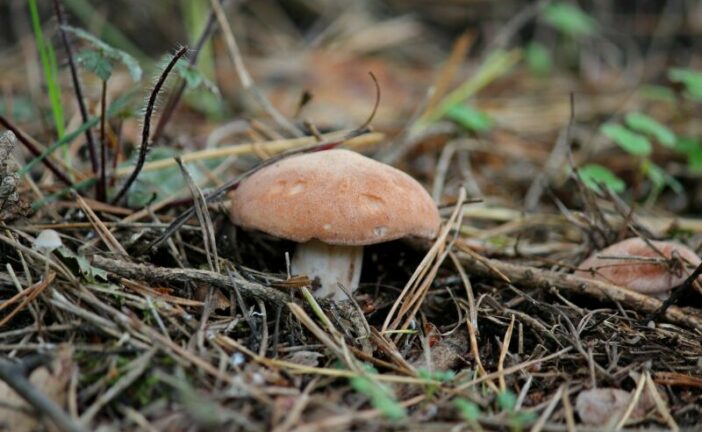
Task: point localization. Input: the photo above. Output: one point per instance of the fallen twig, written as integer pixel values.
(535, 277)
(152, 273)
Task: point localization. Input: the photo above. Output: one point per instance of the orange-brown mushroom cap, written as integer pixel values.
(610, 265)
(337, 197)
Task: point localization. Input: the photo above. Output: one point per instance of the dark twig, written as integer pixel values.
(144, 148)
(24, 139)
(15, 375)
(174, 99)
(76, 86)
(676, 294)
(377, 102)
(234, 183)
(102, 185)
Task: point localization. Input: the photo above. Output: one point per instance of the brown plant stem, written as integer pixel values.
(144, 148)
(77, 87)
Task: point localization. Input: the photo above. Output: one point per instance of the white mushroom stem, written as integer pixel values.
(331, 265)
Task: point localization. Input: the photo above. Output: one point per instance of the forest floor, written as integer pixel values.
(544, 132)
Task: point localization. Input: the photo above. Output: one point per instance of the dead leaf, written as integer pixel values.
(305, 358)
(602, 406)
(52, 382)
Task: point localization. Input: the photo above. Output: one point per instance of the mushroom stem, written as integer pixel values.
(330, 265)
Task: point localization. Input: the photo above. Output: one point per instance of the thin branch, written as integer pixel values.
(24, 139)
(677, 293)
(77, 86)
(246, 81)
(151, 273)
(144, 148)
(14, 375)
(234, 183)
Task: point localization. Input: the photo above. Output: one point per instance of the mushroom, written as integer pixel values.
(634, 264)
(333, 203)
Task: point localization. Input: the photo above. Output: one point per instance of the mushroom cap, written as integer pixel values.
(640, 276)
(337, 197)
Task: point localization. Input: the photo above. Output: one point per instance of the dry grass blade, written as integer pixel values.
(635, 397)
(503, 354)
(448, 70)
(295, 368)
(246, 81)
(475, 351)
(539, 425)
(509, 370)
(135, 369)
(29, 295)
(324, 338)
(416, 288)
(203, 215)
(273, 147)
(568, 410)
(660, 403)
(105, 234)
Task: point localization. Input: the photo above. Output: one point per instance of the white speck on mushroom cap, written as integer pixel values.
(335, 196)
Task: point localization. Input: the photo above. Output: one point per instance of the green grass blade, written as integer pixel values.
(497, 64)
(47, 57)
(36, 205)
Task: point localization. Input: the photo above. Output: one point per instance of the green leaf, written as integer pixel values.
(650, 126)
(538, 58)
(691, 79)
(692, 149)
(660, 178)
(519, 420)
(469, 410)
(569, 19)
(658, 93)
(470, 118)
(594, 175)
(108, 51)
(507, 400)
(632, 142)
(80, 264)
(497, 63)
(381, 396)
(192, 77)
(442, 376)
(96, 63)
